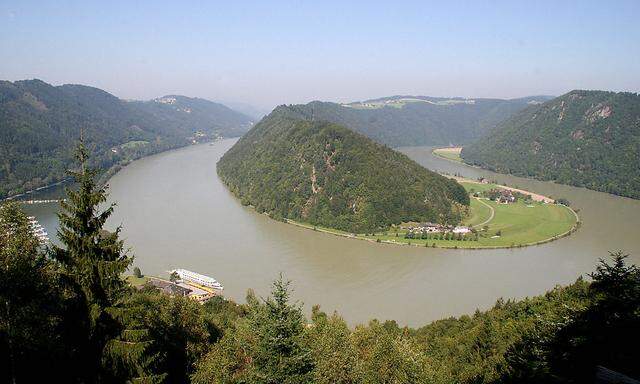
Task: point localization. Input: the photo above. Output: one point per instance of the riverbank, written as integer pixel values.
(103, 178)
(449, 153)
(494, 225)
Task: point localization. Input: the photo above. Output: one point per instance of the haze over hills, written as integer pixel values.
(583, 138)
(188, 113)
(420, 120)
(291, 166)
(40, 124)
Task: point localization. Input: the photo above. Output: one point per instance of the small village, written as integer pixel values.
(424, 228)
(502, 195)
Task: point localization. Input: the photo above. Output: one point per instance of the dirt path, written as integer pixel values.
(493, 213)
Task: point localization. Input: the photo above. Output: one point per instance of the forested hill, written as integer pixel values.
(40, 123)
(583, 138)
(325, 174)
(417, 120)
(186, 113)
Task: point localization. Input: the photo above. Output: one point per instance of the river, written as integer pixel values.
(175, 212)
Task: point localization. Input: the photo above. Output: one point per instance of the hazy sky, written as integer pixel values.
(268, 53)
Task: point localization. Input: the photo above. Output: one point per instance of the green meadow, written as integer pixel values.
(497, 225)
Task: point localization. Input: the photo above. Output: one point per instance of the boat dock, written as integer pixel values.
(200, 287)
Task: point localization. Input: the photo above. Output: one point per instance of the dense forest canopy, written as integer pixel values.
(584, 138)
(417, 120)
(39, 124)
(322, 173)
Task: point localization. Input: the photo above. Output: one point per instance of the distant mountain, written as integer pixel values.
(420, 120)
(193, 114)
(256, 113)
(291, 166)
(40, 124)
(583, 138)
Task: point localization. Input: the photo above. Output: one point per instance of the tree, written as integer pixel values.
(32, 342)
(335, 357)
(136, 272)
(599, 329)
(280, 355)
(606, 333)
(174, 277)
(92, 262)
(177, 329)
(268, 346)
(387, 355)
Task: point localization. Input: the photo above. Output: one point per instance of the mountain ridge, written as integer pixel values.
(40, 125)
(397, 121)
(584, 138)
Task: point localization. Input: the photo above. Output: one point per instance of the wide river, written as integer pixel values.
(175, 212)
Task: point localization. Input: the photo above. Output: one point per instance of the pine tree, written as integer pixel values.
(92, 262)
(280, 354)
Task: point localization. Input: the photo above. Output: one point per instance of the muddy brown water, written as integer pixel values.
(175, 212)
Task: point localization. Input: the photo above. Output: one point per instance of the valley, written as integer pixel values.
(251, 248)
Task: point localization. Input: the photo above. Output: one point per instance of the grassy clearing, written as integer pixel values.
(137, 281)
(512, 225)
(479, 213)
(452, 154)
(134, 144)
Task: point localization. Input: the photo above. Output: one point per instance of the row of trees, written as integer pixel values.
(471, 236)
(67, 315)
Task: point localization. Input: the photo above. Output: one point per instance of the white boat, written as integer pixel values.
(198, 278)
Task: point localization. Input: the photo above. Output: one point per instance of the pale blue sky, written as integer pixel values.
(268, 53)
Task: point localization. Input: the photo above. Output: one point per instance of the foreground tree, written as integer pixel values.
(567, 347)
(32, 340)
(268, 346)
(280, 355)
(335, 356)
(606, 333)
(92, 263)
(177, 328)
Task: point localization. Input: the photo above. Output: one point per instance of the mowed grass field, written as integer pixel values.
(510, 225)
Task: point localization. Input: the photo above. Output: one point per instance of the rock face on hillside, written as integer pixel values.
(324, 174)
(583, 138)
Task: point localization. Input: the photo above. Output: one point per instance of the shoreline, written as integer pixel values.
(336, 232)
(535, 196)
(103, 178)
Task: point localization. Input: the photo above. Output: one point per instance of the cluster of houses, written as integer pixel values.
(501, 195)
(437, 228)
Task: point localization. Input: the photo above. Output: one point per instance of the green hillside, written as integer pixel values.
(584, 138)
(325, 174)
(417, 120)
(188, 114)
(40, 123)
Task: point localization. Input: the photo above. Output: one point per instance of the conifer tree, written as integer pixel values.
(92, 262)
(280, 354)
